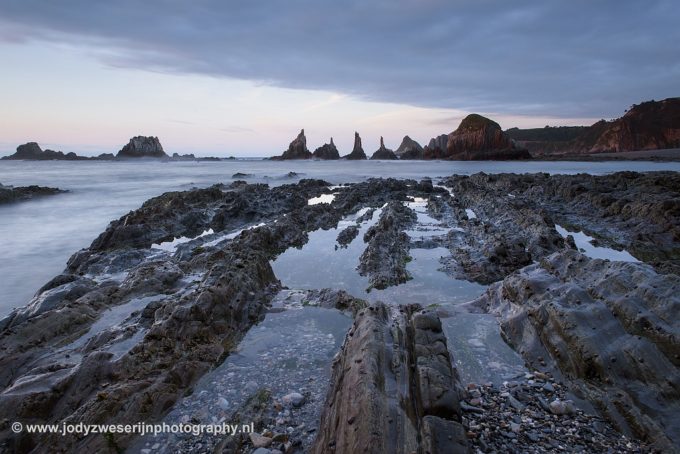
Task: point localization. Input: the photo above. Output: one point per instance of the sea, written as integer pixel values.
(38, 236)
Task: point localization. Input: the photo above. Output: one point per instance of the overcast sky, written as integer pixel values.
(242, 77)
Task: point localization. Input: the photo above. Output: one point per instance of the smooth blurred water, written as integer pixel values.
(37, 237)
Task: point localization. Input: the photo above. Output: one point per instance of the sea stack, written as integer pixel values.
(479, 138)
(297, 148)
(327, 151)
(409, 149)
(142, 147)
(383, 153)
(357, 152)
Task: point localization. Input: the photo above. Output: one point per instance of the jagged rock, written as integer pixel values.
(409, 149)
(357, 152)
(106, 156)
(478, 138)
(608, 328)
(384, 260)
(436, 147)
(326, 151)
(383, 153)
(393, 388)
(10, 194)
(297, 149)
(142, 147)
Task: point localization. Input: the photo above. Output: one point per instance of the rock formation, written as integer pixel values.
(9, 194)
(409, 149)
(31, 151)
(326, 151)
(142, 147)
(357, 152)
(436, 147)
(608, 328)
(297, 149)
(383, 153)
(478, 138)
(393, 388)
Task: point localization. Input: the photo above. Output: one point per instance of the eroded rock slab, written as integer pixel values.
(393, 389)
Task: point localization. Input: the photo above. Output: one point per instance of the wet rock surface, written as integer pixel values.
(609, 328)
(393, 388)
(149, 321)
(10, 194)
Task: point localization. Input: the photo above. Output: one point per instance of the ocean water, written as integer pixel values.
(37, 237)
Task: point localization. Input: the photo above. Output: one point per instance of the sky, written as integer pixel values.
(225, 77)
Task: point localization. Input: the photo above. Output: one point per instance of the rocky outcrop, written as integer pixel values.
(297, 149)
(608, 328)
(327, 151)
(409, 149)
(478, 138)
(436, 147)
(357, 151)
(31, 151)
(142, 147)
(393, 388)
(384, 260)
(383, 153)
(9, 194)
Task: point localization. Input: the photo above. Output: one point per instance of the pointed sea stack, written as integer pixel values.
(383, 153)
(297, 149)
(142, 147)
(327, 151)
(357, 152)
(409, 149)
(478, 138)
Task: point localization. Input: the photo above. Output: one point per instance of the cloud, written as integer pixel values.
(577, 58)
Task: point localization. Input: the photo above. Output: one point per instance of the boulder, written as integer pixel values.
(357, 152)
(326, 151)
(142, 147)
(383, 153)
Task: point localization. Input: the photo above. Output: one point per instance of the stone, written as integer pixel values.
(409, 149)
(327, 151)
(479, 138)
(383, 153)
(259, 441)
(295, 399)
(297, 148)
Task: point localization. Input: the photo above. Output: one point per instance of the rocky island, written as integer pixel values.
(154, 309)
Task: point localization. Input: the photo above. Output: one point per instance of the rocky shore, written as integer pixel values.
(158, 320)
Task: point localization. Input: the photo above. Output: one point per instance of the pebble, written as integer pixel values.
(260, 441)
(295, 399)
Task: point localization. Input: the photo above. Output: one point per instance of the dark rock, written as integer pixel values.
(326, 151)
(394, 375)
(31, 151)
(142, 147)
(383, 153)
(478, 138)
(357, 152)
(409, 149)
(436, 147)
(9, 194)
(297, 148)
